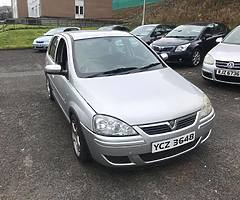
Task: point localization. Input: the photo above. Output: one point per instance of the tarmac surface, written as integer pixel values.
(37, 159)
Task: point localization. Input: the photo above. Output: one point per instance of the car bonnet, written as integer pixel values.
(141, 98)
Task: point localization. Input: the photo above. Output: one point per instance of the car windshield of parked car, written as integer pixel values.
(107, 56)
(143, 30)
(233, 37)
(54, 31)
(186, 31)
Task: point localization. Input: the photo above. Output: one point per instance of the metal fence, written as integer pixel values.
(63, 22)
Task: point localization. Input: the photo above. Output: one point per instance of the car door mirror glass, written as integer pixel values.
(53, 69)
(219, 40)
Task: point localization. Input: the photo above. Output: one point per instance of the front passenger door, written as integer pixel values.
(208, 39)
(61, 82)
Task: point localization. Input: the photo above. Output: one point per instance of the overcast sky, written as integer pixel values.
(5, 2)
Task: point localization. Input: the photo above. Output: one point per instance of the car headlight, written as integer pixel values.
(182, 47)
(209, 60)
(206, 107)
(110, 126)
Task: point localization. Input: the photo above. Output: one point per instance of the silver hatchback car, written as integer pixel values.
(125, 105)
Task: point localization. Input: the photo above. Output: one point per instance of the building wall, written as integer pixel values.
(20, 8)
(98, 9)
(58, 8)
(90, 9)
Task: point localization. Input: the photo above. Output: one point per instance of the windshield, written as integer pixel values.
(186, 31)
(112, 54)
(233, 37)
(54, 31)
(143, 30)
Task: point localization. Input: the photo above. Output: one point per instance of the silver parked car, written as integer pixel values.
(41, 43)
(222, 63)
(125, 105)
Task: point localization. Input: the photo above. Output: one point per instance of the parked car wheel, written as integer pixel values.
(196, 58)
(49, 90)
(80, 146)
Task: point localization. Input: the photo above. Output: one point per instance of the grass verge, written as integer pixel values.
(22, 36)
(19, 38)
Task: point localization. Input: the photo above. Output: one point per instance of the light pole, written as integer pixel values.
(144, 10)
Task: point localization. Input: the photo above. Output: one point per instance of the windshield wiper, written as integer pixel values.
(114, 71)
(149, 66)
(174, 36)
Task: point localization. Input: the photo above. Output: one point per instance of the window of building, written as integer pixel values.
(77, 10)
(81, 10)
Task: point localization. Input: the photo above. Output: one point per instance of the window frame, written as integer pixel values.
(66, 71)
(51, 46)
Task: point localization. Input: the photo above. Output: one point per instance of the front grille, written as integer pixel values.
(230, 79)
(163, 49)
(40, 42)
(185, 122)
(165, 127)
(147, 157)
(224, 64)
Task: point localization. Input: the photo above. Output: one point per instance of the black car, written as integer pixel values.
(188, 44)
(114, 28)
(151, 32)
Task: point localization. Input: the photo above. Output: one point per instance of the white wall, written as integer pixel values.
(79, 3)
(34, 8)
(14, 7)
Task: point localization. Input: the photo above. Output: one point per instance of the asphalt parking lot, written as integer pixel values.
(37, 160)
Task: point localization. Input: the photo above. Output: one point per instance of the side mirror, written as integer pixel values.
(219, 40)
(206, 36)
(164, 56)
(53, 69)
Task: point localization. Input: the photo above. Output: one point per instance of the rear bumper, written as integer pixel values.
(137, 150)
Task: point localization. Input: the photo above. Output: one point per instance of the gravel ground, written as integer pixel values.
(37, 160)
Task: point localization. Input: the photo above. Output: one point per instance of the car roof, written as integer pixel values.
(63, 28)
(201, 23)
(80, 35)
(150, 25)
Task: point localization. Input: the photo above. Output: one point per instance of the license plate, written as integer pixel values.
(228, 73)
(172, 143)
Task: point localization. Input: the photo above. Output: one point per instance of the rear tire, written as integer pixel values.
(80, 146)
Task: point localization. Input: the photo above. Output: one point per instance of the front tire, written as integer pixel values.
(196, 58)
(49, 90)
(80, 146)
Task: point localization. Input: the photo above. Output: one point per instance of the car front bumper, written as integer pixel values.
(209, 72)
(183, 57)
(40, 46)
(137, 150)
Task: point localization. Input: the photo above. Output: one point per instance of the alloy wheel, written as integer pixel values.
(76, 139)
(196, 58)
